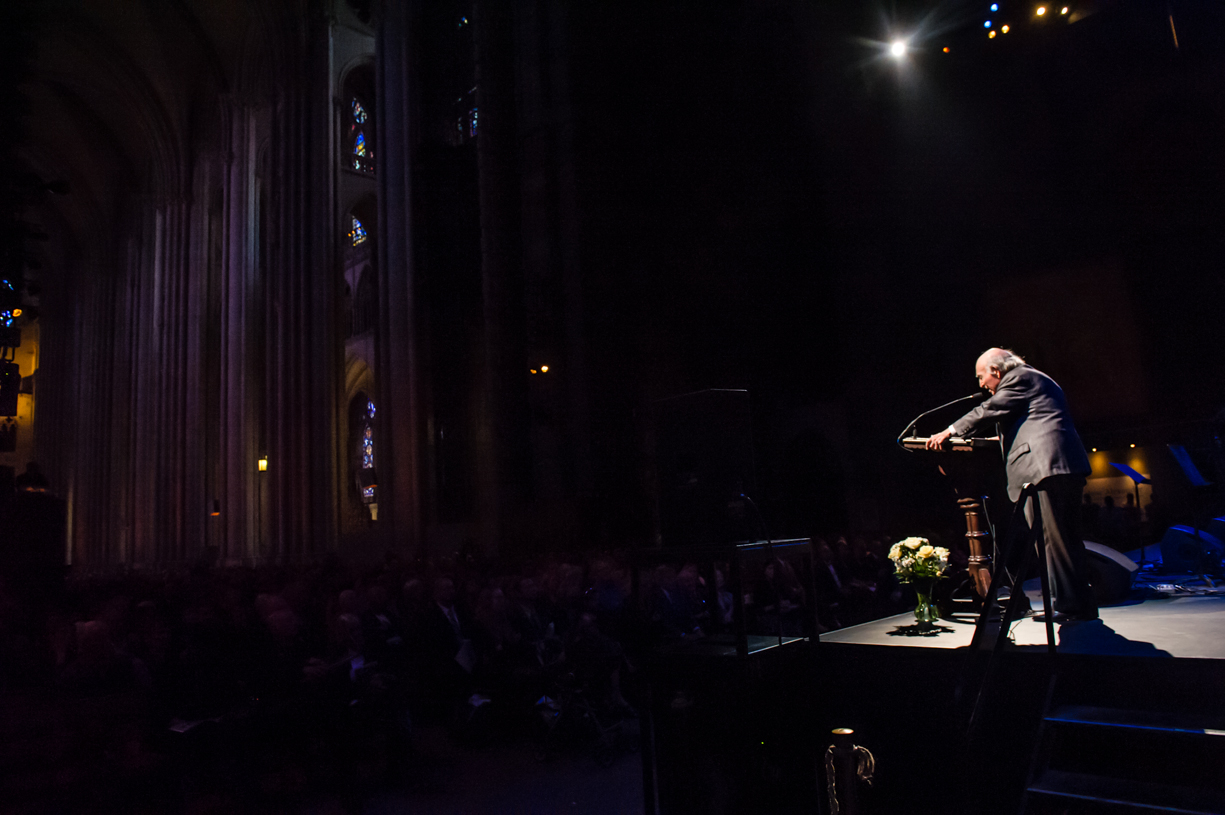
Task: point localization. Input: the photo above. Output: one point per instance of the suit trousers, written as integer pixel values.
(1059, 498)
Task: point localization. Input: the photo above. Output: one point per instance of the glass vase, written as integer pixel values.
(925, 609)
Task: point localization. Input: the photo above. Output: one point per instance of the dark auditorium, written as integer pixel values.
(526, 407)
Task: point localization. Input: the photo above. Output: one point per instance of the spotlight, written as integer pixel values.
(987, 24)
(1063, 10)
(544, 369)
(898, 49)
(991, 35)
(1004, 29)
(1041, 10)
(995, 6)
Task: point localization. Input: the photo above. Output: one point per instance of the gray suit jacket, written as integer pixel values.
(1039, 438)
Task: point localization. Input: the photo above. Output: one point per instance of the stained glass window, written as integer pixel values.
(8, 311)
(368, 438)
(357, 232)
(361, 150)
(466, 124)
(364, 434)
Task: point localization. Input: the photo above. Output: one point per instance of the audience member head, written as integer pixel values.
(348, 602)
(347, 632)
(529, 590)
(444, 591)
(497, 600)
(688, 579)
(825, 555)
(413, 594)
(377, 599)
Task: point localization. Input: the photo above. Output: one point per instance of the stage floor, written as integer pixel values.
(1180, 627)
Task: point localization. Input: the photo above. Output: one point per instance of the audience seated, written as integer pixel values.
(324, 664)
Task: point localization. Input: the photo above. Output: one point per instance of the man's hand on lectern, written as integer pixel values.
(937, 441)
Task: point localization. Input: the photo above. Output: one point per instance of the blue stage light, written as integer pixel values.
(995, 6)
(987, 24)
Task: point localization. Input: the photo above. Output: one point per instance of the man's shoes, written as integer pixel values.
(1067, 617)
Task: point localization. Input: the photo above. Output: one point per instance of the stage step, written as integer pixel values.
(1162, 752)
(1097, 794)
(1138, 719)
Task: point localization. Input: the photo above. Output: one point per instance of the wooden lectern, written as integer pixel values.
(971, 464)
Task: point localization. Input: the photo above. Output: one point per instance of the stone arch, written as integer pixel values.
(359, 377)
(362, 11)
(121, 94)
(365, 302)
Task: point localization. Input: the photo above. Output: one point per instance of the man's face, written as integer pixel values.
(988, 376)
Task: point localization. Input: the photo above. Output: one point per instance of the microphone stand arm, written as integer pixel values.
(926, 413)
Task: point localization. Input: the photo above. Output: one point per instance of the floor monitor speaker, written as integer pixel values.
(1184, 549)
(1216, 528)
(1110, 573)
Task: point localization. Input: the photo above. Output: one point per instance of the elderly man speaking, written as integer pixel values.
(1041, 447)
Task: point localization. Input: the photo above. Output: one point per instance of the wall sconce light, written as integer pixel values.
(216, 508)
(263, 464)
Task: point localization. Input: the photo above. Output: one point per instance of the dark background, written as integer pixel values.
(763, 199)
(784, 208)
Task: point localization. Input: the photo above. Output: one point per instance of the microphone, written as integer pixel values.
(916, 419)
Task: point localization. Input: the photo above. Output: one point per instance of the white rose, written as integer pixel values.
(913, 543)
(942, 553)
(926, 550)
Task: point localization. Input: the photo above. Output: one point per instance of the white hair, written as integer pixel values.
(1002, 359)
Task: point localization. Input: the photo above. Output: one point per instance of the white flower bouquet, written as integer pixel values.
(915, 559)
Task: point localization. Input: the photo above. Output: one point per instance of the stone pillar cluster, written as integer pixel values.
(202, 337)
(206, 323)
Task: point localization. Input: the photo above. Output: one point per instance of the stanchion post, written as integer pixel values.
(846, 763)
